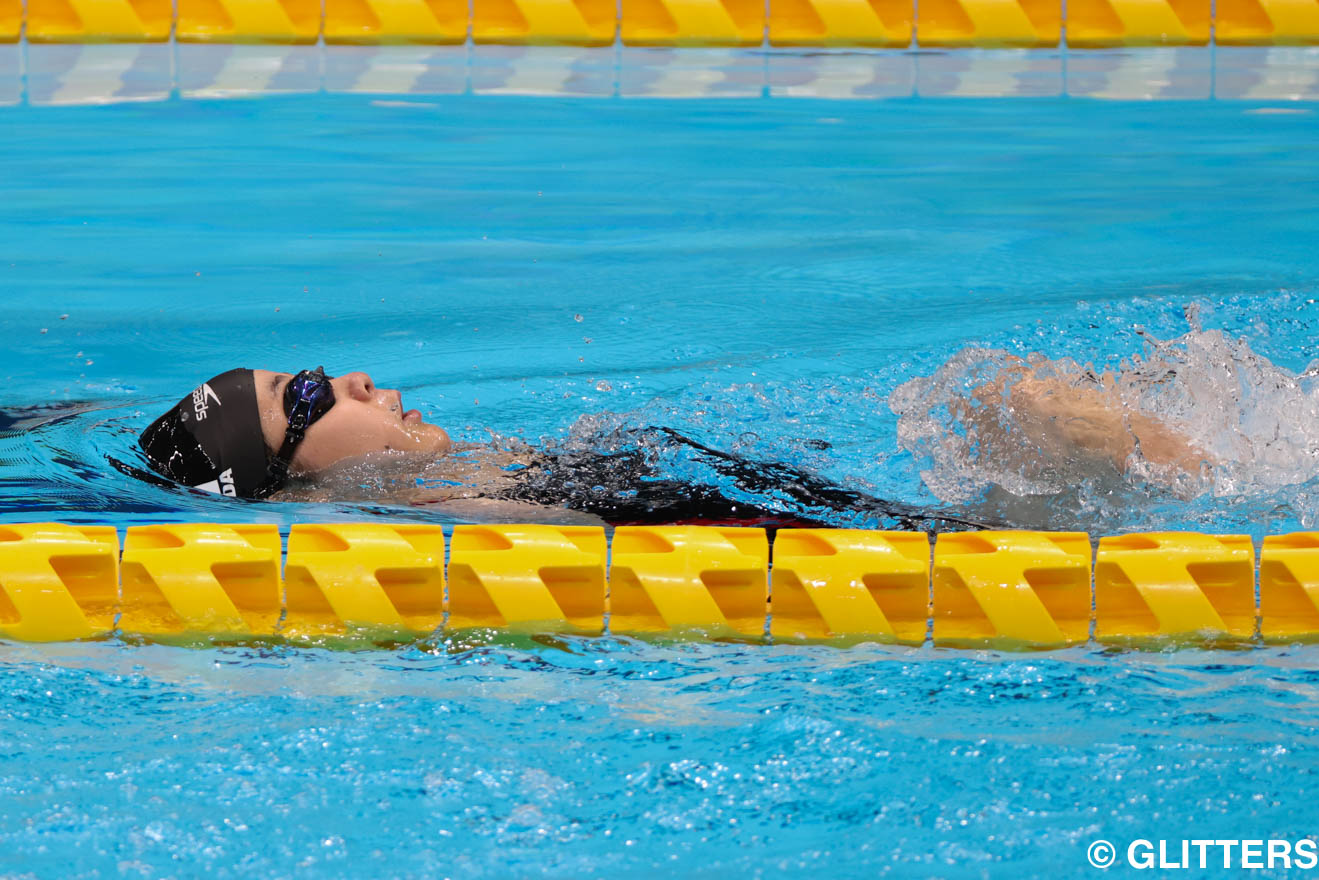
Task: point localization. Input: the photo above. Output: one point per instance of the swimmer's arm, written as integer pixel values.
(1097, 423)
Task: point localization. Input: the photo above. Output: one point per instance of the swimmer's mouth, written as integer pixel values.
(407, 417)
(410, 415)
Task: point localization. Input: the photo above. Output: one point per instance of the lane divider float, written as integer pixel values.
(1266, 22)
(1080, 24)
(851, 582)
(383, 582)
(1166, 583)
(58, 582)
(1031, 588)
(534, 578)
(680, 578)
(286, 22)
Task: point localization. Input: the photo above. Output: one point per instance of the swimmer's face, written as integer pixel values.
(364, 420)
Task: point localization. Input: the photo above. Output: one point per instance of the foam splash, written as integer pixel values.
(1256, 423)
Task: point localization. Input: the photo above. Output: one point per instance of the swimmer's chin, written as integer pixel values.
(431, 439)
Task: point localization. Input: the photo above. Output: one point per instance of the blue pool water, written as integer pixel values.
(759, 273)
(601, 758)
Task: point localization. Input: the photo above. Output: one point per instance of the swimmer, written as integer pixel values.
(245, 432)
(259, 434)
(1037, 442)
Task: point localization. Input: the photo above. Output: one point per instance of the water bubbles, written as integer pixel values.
(1192, 312)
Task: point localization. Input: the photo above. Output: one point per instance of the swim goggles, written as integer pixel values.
(308, 396)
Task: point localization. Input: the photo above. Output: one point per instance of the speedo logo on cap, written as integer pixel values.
(201, 399)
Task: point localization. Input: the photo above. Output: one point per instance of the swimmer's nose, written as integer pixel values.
(359, 386)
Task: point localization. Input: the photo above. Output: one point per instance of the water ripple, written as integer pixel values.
(700, 755)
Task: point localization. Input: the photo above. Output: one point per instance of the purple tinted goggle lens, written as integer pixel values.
(308, 396)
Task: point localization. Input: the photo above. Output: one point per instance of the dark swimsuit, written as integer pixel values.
(624, 487)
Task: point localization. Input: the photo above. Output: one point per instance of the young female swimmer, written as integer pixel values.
(246, 432)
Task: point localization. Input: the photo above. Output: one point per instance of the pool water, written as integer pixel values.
(758, 273)
(604, 758)
(741, 270)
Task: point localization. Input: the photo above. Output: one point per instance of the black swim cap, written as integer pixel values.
(212, 440)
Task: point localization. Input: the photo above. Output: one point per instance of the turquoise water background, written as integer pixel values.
(758, 273)
(743, 270)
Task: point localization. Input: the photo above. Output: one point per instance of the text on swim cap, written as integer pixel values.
(221, 485)
(200, 402)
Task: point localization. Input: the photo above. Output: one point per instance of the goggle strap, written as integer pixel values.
(277, 469)
(302, 409)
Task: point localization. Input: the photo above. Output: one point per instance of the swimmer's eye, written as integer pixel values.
(308, 396)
